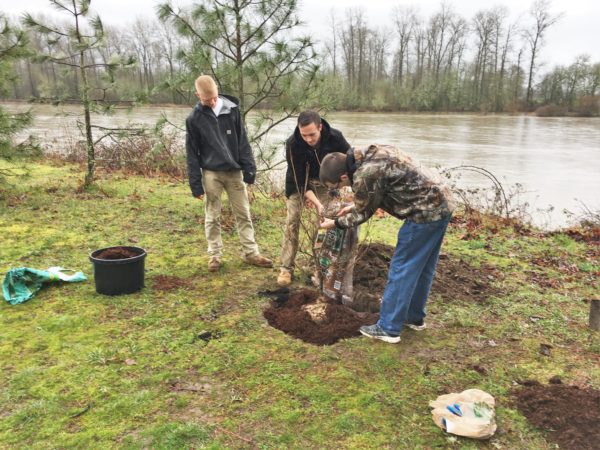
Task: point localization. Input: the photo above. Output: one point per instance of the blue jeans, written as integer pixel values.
(411, 274)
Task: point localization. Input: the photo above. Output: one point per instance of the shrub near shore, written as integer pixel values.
(197, 365)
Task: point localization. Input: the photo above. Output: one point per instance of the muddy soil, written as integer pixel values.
(455, 279)
(167, 283)
(117, 253)
(325, 325)
(569, 414)
(301, 313)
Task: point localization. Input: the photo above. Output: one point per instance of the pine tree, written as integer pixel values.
(250, 49)
(13, 45)
(75, 47)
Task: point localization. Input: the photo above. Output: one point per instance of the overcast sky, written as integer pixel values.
(578, 32)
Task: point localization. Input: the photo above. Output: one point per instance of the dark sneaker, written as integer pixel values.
(375, 332)
(419, 326)
(258, 260)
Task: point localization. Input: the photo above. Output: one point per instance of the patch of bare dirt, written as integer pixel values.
(167, 283)
(455, 279)
(569, 414)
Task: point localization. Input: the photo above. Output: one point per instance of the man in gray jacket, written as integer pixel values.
(219, 158)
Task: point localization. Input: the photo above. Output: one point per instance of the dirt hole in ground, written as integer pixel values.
(167, 283)
(308, 316)
(569, 414)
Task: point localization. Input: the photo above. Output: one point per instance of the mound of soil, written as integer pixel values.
(318, 320)
(569, 414)
(117, 253)
(455, 279)
(166, 283)
(308, 316)
(370, 276)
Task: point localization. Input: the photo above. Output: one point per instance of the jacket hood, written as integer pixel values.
(229, 102)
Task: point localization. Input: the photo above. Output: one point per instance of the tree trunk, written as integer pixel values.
(595, 314)
(529, 94)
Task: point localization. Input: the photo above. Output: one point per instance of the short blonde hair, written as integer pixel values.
(205, 85)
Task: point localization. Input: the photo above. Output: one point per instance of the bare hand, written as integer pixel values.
(321, 210)
(328, 224)
(200, 197)
(345, 210)
(318, 206)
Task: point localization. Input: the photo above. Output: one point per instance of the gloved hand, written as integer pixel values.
(249, 177)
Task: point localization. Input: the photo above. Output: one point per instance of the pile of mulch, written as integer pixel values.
(117, 253)
(570, 415)
(288, 312)
(167, 283)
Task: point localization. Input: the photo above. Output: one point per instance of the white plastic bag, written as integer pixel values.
(469, 413)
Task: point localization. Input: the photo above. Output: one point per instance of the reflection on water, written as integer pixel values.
(556, 160)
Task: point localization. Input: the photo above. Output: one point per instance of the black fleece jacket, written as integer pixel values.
(217, 143)
(304, 162)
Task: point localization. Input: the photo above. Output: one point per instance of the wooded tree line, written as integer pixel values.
(449, 63)
(246, 45)
(444, 62)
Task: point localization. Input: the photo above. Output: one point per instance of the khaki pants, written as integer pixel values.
(231, 182)
(294, 206)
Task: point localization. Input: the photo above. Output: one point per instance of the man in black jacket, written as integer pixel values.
(219, 158)
(312, 139)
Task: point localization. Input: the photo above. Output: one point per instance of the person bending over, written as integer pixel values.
(383, 177)
(312, 139)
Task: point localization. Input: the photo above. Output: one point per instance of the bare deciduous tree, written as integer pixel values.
(404, 20)
(542, 20)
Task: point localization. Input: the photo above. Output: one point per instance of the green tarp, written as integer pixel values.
(22, 284)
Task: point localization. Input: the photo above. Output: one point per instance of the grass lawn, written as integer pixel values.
(82, 370)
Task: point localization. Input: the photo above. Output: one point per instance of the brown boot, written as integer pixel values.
(258, 260)
(285, 278)
(214, 264)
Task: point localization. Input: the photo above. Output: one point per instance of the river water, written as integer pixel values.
(555, 160)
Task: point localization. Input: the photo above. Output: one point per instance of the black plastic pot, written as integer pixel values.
(119, 276)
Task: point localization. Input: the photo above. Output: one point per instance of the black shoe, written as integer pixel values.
(419, 326)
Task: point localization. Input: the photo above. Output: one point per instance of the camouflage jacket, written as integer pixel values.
(384, 177)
